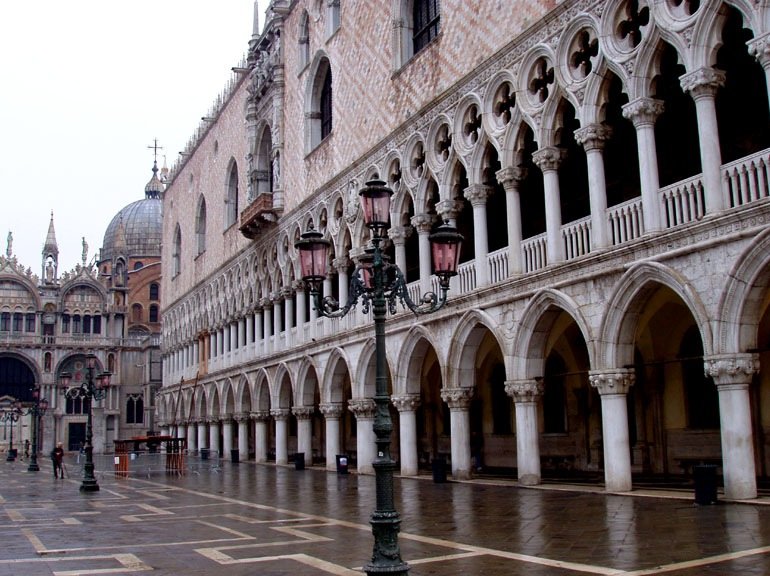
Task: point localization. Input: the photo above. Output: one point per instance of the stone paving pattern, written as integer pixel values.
(262, 519)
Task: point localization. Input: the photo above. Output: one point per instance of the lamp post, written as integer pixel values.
(37, 410)
(12, 415)
(92, 388)
(380, 286)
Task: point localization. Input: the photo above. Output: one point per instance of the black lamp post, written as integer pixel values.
(12, 415)
(380, 285)
(93, 388)
(37, 410)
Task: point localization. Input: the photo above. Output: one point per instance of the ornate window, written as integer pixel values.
(200, 226)
(326, 105)
(426, 18)
(176, 254)
(134, 409)
(231, 200)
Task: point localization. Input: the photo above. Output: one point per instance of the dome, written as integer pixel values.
(135, 231)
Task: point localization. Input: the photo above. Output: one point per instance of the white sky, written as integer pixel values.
(85, 87)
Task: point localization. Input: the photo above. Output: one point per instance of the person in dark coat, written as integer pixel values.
(57, 458)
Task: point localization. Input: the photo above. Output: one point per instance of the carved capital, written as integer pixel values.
(548, 158)
(279, 413)
(303, 412)
(511, 177)
(702, 82)
(643, 111)
(341, 263)
(449, 209)
(423, 222)
(406, 403)
(362, 408)
(399, 234)
(260, 415)
(331, 410)
(731, 370)
(593, 136)
(760, 49)
(612, 381)
(457, 398)
(477, 194)
(241, 417)
(286, 293)
(524, 390)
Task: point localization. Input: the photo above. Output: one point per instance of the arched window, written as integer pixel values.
(138, 265)
(31, 322)
(134, 409)
(420, 23)
(231, 200)
(332, 17)
(200, 226)
(18, 322)
(426, 17)
(153, 313)
(326, 105)
(111, 362)
(154, 291)
(303, 42)
(136, 313)
(47, 361)
(176, 253)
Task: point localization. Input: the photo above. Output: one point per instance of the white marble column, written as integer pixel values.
(301, 311)
(243, 435)
(227, 337)
(423, 224)
(732, 374)
(477, 195)
(366, 447)
(332, 413)
(281, 418)
(304, 416)
(613, 386)
(288, 313)
(702, 84)
(760, 49)
(277, 318)
(192, 436)
(214, 437)
(227, 437)
(259, 332)
(398, 235)
(407, 406)
(249, 329)
(511, 179)
(341, 264)
(203, 438)
(459, 401)
(593, 138)
(548, 160)
(643, 112)
(526, 395)
(260, 419)
(267, 317)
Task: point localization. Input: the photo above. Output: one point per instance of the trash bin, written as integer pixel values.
(299, 461)
(204, 453)
(705, 477)
(439, 470)
(235, 456)
(12, 454)
(342, 463)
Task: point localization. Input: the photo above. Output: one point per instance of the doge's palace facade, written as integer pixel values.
(607, 164)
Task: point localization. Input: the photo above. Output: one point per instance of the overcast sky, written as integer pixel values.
(85, 88)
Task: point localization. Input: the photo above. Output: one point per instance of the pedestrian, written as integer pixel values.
(26, 448)
(57, 458)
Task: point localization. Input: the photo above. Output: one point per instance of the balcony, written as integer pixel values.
(258, 214)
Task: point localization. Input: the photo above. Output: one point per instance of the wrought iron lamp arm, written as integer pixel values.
(397, 291)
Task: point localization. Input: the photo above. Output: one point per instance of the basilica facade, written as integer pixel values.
(107, 307)
(607, 164)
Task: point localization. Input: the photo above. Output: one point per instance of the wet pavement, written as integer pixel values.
(239, 519)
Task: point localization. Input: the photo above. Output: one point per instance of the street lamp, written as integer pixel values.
(37, 410)
(93, 388)
(12, 415)
(380, 285)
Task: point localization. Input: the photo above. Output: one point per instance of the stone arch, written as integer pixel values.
(459, 371)
(337, 365)
(529, 342)
(413, 350)
(307, 382)
(283, 392)
(742, 298)
(624, 306)
(261, 397)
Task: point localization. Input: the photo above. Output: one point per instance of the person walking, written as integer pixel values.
(57, 458)
(26, 448)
